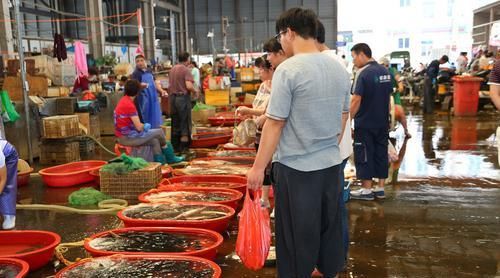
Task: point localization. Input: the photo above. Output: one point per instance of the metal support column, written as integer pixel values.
(7, 41)
(95, 28)
(148, 23)
(20, 50)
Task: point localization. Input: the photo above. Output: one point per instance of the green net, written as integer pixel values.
(124, 164)
(86, 196)
(201, 106)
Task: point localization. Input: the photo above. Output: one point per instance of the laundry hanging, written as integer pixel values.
(60, 48)
(80, 60)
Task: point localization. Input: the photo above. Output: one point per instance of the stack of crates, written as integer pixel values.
(60, 140)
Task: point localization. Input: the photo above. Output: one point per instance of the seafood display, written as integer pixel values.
(214, 169)
(157, 241)
(184, 196)
(175, 212)
(111, 267)
(233, 153)
(9, 270)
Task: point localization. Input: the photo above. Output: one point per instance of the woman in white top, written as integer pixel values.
(258, 111)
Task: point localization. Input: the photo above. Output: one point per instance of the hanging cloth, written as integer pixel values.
(60, 48)
(80, 60)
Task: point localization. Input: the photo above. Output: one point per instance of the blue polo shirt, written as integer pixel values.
(373, 84)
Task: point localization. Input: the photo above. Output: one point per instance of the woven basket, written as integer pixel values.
(61, 127)
(131, 185)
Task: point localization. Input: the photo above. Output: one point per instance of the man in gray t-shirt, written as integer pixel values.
(309, 101)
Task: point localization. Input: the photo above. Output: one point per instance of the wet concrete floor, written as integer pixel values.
(440, 219)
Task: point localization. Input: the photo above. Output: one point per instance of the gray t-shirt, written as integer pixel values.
(310, 92)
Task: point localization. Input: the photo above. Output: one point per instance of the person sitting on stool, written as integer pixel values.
(131, 132)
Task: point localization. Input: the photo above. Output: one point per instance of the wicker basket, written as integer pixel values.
(87, 145)
(59, 151)
(131, 185)
(61, 127)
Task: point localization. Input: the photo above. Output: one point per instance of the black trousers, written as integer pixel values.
(180, 111)
(308, 221)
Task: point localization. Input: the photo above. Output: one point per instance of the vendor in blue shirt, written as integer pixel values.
(147, 100)
(372, 89)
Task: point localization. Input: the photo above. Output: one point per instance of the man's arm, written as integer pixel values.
(495, 95)
(3, 178)
(269, 141)
(355, 104)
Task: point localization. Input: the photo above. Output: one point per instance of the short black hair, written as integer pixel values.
(140, 56)
(183, 57)
(258, 62)
(362, 48)
(302, 21)
(320, 32)
(132, 87)
(194, 63)
(124, 78)
(445, 58)
(272, 45)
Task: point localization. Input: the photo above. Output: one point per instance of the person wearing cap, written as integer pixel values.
(147, 102)
(398, 87)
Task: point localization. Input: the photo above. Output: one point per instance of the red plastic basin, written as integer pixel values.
(23, 266)
(209, 139)
(224, 119)
(208, 252)
(234, 182)
(237, 160)
(217, 224)
(209, 264)
(70, 174)
(34, 247)
(23, 178)
(166, 171)
(233, 201)
(97, 177)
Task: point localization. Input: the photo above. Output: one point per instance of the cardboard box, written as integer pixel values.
(38, 86)
(217, 97)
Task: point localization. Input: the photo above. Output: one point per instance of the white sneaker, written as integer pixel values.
(362, 194)
(9, 222)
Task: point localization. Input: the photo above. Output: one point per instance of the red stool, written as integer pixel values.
(119, 149)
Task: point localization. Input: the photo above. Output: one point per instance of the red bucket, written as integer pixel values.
(233, 196)
(22, 266)
(213, 181)
(224, 119)
(219, 224)
(70, 174)
(34, 247)
(66, 272)
(208, 252)
(209, 139)
(97, 177)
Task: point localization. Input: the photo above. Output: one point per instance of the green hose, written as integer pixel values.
(100, 144)
(110, 206)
